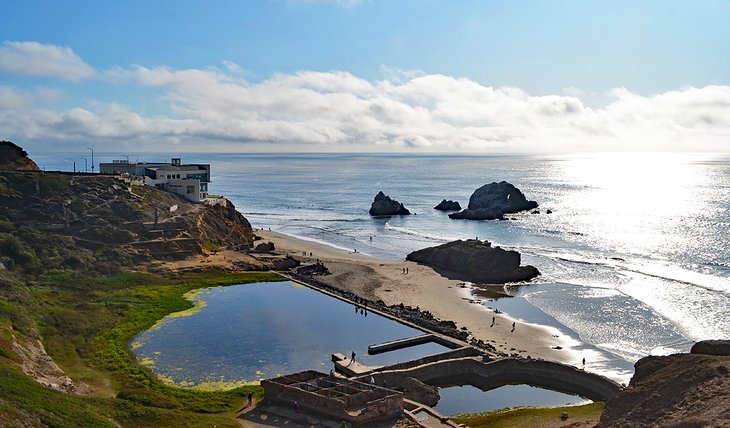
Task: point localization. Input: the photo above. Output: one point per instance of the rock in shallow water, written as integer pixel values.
(493, 201)
(383, 206)
(448, 206)
(475, 261)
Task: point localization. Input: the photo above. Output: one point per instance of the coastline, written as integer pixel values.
(375, 278)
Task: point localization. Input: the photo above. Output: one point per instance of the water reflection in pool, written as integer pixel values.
(469, 399)
(256, 331)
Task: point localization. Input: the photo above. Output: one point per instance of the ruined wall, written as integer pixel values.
(339, 399)
(555, 376)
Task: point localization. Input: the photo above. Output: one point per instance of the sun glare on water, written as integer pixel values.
(636, 201)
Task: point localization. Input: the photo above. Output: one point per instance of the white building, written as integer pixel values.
(189, 181)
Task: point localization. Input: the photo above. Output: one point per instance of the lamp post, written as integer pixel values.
(86, 165)
(92, 159)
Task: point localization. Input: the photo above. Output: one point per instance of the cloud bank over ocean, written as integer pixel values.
(217, 108)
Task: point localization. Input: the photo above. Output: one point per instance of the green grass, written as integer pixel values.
(529, 417)
(86, 323)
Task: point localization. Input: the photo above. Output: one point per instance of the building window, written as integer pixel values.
(191, 189)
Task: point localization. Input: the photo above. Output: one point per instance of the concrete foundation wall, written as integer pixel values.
(487, 375)
(338, 399)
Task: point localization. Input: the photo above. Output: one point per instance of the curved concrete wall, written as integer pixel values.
(488, 375)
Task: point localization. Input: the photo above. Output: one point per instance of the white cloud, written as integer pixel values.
(36, 59)
(338, 111)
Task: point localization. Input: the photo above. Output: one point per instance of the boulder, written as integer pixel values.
(383, 206)
(475, 261)
(265, 246)
(711, 347)
(493, 201)
(448, 206)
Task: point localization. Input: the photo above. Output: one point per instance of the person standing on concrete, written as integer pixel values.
(352, 359)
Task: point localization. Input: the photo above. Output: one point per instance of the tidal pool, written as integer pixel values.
(469, 399)
(255, 331)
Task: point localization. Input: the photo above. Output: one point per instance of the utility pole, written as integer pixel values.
(92, 159)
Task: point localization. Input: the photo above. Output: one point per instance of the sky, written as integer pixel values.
(366, 75)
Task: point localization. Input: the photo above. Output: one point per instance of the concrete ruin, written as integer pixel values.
(356, 403)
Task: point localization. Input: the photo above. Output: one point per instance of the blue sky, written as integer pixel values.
(410, 52)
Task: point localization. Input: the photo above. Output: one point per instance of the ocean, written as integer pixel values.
(635, 256)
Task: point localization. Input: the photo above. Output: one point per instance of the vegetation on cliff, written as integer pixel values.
(75, 288)
(13, 157)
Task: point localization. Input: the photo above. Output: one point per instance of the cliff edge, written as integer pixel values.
(681, 390)
(13, 157)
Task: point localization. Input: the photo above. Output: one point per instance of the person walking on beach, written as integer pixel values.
(513, 326)
(493, 320)
(584, 362)
(352, 359)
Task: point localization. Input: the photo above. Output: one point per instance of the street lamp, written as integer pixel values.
(92, 159)
(86, 165)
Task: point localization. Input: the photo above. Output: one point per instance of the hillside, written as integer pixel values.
(72, 220)
(79, 276)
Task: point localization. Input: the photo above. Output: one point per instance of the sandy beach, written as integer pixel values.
(375, 278)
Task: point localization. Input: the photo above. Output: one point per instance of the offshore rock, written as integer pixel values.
(475, 261)
(448, 206)
(493, 201)
(383, 206)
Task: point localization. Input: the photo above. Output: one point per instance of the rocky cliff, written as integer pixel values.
(383, 206)
(493, 201)
(681, 390)
(13, 157)
(101, 213)
(475, 261)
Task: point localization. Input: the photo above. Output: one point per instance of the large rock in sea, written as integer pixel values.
(448, 206)
(383, 206)
(475, 261)
(493, 201)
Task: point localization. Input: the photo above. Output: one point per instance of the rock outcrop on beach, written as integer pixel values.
(265, 246)
(383, 205)
(448, 206)
(493, 201)
(13, 157)
(475, 261)
(681, 390)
